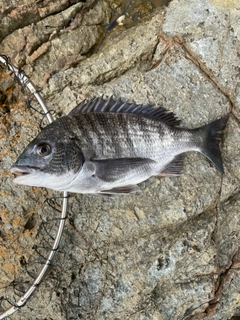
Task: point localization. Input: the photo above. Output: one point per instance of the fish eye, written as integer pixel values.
(44, 150)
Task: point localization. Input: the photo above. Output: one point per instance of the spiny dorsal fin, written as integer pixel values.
(110, 105)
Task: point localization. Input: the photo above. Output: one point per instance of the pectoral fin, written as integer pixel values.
(111, 170)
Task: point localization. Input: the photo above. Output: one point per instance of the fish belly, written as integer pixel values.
(87, 182)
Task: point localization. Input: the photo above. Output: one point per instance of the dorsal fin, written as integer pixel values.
(110, 105)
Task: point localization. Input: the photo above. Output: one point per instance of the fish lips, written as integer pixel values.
(23, 173)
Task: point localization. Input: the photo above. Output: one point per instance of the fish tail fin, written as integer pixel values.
(213, 133)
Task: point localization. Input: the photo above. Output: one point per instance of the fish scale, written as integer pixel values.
(127, 134)
(108, 147)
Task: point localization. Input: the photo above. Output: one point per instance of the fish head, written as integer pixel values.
(51, 160)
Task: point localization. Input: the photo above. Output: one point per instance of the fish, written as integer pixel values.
(107, 147)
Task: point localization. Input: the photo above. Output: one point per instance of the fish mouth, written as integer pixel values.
(21, 172)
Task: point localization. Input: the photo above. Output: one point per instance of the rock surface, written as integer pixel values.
(170, 252)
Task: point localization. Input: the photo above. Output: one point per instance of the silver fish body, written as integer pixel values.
(107, 147)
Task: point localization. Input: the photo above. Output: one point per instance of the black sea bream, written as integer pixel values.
(107, 147)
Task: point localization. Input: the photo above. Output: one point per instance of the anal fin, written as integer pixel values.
(174, 168)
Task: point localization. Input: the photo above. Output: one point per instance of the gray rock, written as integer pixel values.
(169, 252)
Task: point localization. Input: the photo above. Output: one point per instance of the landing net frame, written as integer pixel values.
(26, 83)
